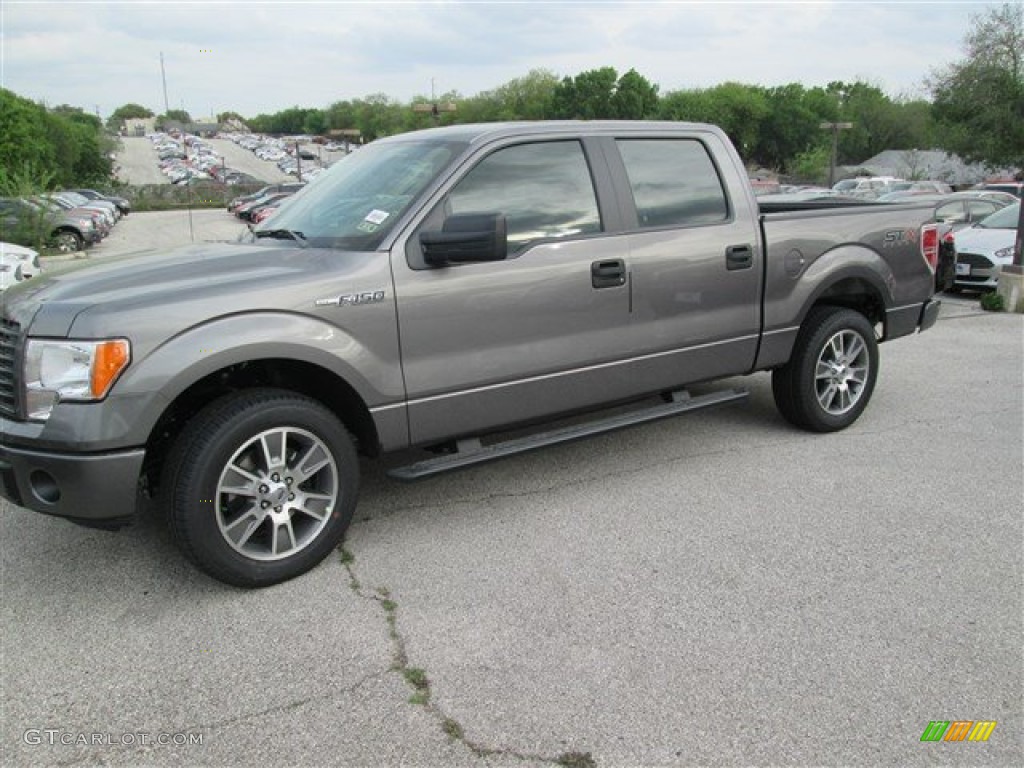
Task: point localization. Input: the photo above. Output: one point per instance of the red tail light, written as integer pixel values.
(930, 245)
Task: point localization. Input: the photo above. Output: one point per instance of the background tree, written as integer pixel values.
(601, 94)
(634, 97)
(224, 117)
(41, 148)
(127, 112)
(527, 98)
(979, 101)
(176, 115)
(587, 96)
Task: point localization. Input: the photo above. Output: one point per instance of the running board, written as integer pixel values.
(473, 452)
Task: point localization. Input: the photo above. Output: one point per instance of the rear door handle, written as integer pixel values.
(608, 274)
(739, 257)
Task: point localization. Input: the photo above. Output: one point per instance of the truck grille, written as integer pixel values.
(10, 335)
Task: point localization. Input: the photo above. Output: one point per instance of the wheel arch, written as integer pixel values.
(859, 292)
(298, 376)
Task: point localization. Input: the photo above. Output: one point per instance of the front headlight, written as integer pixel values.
(1004, 253)
(77, 371)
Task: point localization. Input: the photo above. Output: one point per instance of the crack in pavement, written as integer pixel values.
(418, 680)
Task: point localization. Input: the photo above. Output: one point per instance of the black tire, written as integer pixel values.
(260, 486)
(828, 381)
(67, 241)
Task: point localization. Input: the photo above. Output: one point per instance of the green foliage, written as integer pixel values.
(49, 148)
(527, 98)
(174, 115)
(812, 165)
(224, 117)
(979, 102)
(601, 94)
(993, 302)
(127, 112)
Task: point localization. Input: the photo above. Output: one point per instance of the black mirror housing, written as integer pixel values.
(467, 237)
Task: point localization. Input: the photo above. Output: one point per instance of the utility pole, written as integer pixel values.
(835, 128)
(163, 75)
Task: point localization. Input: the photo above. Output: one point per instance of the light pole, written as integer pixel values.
(835, 128)
(433, 107)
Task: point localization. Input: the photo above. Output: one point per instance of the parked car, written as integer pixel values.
(99, 218)
(26, 223)
(287, 186)
(123, 205)
(247, 210)
(264, 213)
(10, 271)
(911, 188)
(867, 187)
(954, 212)
(26, 257)
(1015, 188)
(110, 211)
(982, 249)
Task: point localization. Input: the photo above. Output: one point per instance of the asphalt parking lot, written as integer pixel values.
(137, 161)
(715, 589)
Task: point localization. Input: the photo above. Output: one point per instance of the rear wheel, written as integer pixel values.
(830, 378)
(261, 486)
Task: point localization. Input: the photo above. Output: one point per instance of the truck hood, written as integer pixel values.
(234, 276)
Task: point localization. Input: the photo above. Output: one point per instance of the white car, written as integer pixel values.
(10, 271)
(26, 257)
(981, 250)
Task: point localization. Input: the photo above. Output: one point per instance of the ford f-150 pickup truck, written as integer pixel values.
(433, 290)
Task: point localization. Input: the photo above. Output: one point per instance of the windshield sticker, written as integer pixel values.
(366, 226)
(376, 216)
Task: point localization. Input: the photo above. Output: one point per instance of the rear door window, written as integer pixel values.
(674, 182)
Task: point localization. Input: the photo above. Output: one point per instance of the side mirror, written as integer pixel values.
(466, 237)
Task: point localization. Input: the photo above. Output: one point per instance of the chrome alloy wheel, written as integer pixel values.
(276, 494)
(842, 372)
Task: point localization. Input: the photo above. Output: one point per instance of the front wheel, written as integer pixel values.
(68, 241)
(261, 486)
(828, 381)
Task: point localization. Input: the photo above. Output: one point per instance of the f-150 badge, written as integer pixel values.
(352, 299)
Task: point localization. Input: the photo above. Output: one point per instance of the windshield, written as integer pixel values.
(355, 204)
(1005, 219)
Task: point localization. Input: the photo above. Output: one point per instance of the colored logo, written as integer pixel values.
(958, 730)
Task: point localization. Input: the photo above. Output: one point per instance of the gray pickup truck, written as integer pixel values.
(435, 290)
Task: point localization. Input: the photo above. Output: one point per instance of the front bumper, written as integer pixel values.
(83, 487)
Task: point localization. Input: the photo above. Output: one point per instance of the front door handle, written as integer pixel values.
(608, 274)
(739, 257)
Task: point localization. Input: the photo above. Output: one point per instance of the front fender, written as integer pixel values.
(151, 383)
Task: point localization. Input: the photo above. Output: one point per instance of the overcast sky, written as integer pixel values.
(260, 57)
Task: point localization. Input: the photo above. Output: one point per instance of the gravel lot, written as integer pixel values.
(715, 589)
